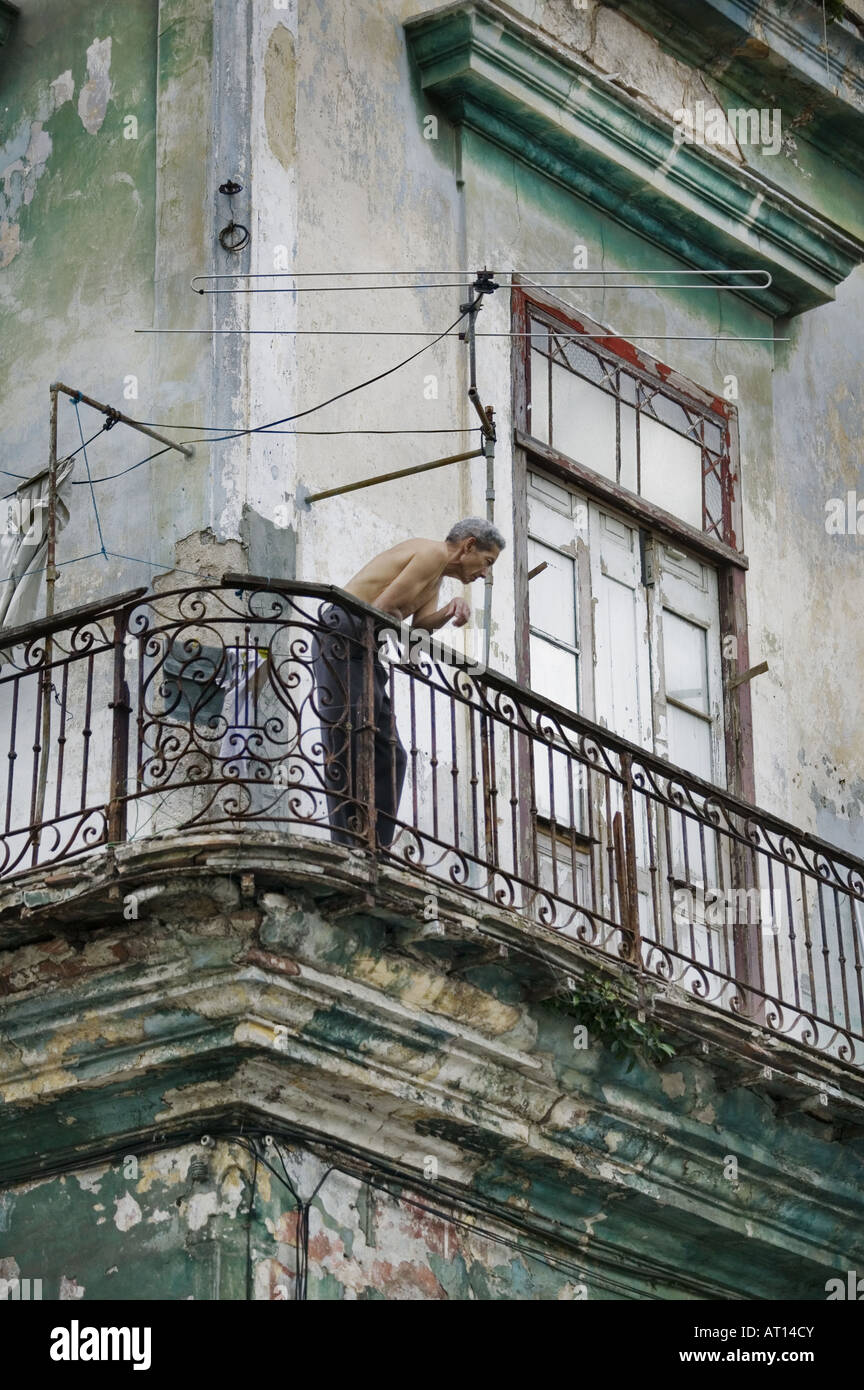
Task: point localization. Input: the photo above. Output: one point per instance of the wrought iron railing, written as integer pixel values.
(285, 706)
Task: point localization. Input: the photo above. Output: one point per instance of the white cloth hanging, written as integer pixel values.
(24, 543)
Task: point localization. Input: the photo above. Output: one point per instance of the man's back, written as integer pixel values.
(424, 561)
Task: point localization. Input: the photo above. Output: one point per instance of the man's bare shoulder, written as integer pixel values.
(428, 550)
(386, 566)
(416, 546)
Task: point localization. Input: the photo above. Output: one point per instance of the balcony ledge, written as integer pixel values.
(83, 897)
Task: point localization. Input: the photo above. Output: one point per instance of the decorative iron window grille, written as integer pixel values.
(643, 435)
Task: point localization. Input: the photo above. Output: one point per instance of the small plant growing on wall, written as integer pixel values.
(831, 9)
(608, 1015)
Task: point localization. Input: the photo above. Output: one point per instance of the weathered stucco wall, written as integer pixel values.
(201, 1223)
(105, 200)
(312, 1001)
(110, 231)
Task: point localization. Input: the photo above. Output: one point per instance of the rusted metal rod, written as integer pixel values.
(488, 427)
(51, 570)
(388, 477)
(109, 410)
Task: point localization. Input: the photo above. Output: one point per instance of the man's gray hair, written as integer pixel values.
(484, 533)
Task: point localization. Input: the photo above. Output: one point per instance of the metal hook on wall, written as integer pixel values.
(234, 236)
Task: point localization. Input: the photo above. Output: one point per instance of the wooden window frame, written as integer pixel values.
(728, 559)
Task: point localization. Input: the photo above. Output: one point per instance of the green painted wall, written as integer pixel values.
(195, 1223)
(100, 118)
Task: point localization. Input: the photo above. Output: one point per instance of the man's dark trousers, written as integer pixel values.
(337, 657)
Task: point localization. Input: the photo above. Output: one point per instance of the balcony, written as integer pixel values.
(201, 709)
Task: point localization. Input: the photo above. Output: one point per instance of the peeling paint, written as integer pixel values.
(202, 1205)
(280, 95)
(706, 1115)
(94, 95)
(674, 1085)
(62, 89)
(70, 1290)
(91, 1181)
(20, 177)
(127, 1212)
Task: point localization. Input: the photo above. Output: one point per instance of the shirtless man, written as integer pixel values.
(406, 578)
(400, 581)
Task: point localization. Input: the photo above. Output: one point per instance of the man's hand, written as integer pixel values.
(458, 610)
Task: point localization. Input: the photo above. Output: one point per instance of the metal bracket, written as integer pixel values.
(485, 284)
(234, 236)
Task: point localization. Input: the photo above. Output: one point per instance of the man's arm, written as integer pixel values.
(430, 618)
(427, 611)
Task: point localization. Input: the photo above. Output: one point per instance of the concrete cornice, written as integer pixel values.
(200, 870)
(546, 106)
(768, 52)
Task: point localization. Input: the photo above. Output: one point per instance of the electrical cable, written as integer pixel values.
(109, 477)
(301, 1248)
(363, 1176)
(307, 1205)
(154, 565)
(83, 445)
(444, 429)
(360, 1172)
(132, 836)
(66, 459)
(238, 434)
(249, 1214)
(260, 429)
(310, 410)
(112, 555)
